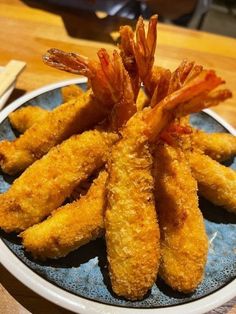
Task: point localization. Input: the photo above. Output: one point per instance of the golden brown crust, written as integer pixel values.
(71, 92)
(44, 186)
(216, 182)
(219, 146)
(184, 241)
(70, 226)
(23, 118)
(132, 232)
(64, 121)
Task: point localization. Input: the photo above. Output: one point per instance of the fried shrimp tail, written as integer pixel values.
(120, 88)
(216, 182)
(181, 102)
(184, 243)
(128, 58)
(82, 222)
(46, 184)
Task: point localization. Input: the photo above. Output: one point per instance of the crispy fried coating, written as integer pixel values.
(46, 184)
(132, 233)
(64, 121)
(23, 118)
(216, 182)
(219, 146)
(71, 92)
(70, 226)
(184, 242)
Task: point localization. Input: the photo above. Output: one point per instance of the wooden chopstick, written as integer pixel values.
(9, 74)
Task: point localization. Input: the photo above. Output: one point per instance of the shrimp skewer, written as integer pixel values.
(132, 233)
(184, 243)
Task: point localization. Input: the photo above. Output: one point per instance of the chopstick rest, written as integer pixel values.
(9, 74)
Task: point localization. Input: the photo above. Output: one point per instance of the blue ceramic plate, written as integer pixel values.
(79, 282)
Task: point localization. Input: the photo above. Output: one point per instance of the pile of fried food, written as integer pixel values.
(150, 164)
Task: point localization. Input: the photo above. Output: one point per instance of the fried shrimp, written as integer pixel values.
(89, 222)
(72, 117)
(132, 233)
(22, 119)
(71, 92)
(184, 243)
(216, 182)
(219, 146)
(81, 221)
(59, 124)
(46, 184)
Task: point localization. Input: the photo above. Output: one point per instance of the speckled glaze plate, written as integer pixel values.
(79, 282)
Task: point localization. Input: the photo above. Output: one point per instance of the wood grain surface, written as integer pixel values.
(29, 29)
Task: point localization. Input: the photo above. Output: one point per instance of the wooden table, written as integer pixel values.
(29, 29)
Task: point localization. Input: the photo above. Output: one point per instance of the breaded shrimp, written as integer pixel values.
(79, 156)
(132, 233)
(70, 226)
(46, 184)
(72, 117)
(85, 228)
(23, 118)
(59, 124)
(216, 182)
(184, 242)
(219, 146)
(71, 92)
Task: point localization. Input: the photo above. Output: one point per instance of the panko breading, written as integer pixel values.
(129, 178)
(71, 92)
(46, 184)
(219, 146)
(132, 233)
(23, 118)
(216, 182)
(65, 120)
(184, 243)
(70, 226)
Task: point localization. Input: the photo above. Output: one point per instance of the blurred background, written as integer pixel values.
(215, 16)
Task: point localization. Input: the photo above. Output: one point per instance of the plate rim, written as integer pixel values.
(79, 304)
